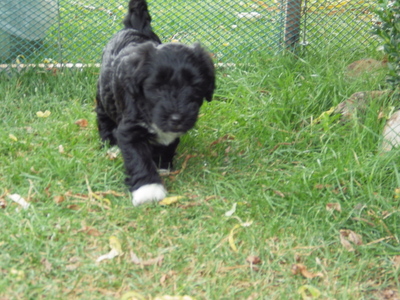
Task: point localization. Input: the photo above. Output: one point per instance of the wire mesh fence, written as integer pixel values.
(75, 31)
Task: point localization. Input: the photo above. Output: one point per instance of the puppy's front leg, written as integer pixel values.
(143, 179)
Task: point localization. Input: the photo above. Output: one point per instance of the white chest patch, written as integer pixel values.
(165, 138)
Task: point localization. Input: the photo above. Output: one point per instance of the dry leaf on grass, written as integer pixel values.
(230, 212)
(74, 207)
(348, 238)
(396, 193)
(18, 199)
(3, 203)
(170, 200)
(164, 277)
(82, 123)
(254, 260)
(90, 231)
(116, 249)
(58, 199)
(94, 194)
(113, 153)
(111, 192)
(150, 262)
(302, 269)
(41, 114)
(231, 238)
(279, 193)
(46, 264)
(132, 296)
(13, 137)
(61, 149)
(308, 292)
(325, 114)
(333, 206)
(18, 275)
(322, 186)
(396, 261)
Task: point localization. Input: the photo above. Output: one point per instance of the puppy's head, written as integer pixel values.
(178, 78)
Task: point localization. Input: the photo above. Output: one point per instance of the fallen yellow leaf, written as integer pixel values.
(231, 238)
(18, 274)
(323, 115)
(230, 212)
(167, 297)
(45, 114)
(170, 200)
(397, 193)
(116, 249)
(13, 137)
(132, 296)
(115, 245)
(17, 60)
(304, 290)
(348, 238)
(302, 269)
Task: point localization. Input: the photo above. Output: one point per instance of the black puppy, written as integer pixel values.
(148, 95)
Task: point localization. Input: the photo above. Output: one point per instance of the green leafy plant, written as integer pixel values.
(387, 28)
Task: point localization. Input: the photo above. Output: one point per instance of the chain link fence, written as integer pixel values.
(75, 31)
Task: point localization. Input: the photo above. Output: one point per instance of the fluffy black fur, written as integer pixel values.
(148, 95)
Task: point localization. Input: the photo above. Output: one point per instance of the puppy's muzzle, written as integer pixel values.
(175, 122)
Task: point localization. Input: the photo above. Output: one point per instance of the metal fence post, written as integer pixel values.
(292, 23)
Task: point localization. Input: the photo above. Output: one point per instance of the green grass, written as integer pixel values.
(254, 145)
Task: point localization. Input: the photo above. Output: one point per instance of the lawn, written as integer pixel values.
(275, 206)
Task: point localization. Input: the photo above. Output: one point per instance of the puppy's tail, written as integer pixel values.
(139, 18)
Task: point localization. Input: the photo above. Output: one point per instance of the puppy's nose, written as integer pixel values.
(175, 118)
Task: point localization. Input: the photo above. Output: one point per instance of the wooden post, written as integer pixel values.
(292, 23)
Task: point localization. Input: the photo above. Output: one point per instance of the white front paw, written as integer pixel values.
(154, 192)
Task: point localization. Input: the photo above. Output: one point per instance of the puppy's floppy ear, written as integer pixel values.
(207, 69)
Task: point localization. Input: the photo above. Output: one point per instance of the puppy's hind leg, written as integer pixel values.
(105, 125)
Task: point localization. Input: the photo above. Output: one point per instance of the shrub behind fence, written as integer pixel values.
(69, 31)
